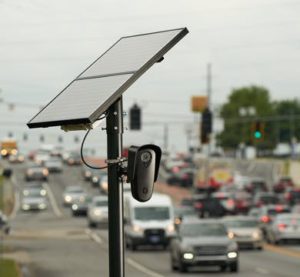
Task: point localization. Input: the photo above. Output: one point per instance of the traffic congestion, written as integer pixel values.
(189, 228)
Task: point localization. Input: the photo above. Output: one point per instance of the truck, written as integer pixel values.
(8, 147)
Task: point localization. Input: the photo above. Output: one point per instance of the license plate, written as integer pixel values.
(154, 239)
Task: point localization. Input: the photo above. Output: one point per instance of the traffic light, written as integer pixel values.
(258, 131)
(135, 117)
(206, 126)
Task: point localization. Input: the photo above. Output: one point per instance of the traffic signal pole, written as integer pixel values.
(114, 129)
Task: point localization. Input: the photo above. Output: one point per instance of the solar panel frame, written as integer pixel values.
(118, 93)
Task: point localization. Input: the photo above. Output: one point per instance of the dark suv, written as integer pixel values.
(203, 242)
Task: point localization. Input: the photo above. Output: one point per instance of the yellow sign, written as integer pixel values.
(199, 103)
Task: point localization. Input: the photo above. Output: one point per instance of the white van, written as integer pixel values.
(148, 223)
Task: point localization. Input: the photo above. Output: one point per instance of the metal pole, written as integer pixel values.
(208, 84)
(114, 129)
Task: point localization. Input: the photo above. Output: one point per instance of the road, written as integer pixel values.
(53, 243)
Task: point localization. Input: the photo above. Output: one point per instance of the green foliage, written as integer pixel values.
(8, 268)
(237, 127)
(288, 127)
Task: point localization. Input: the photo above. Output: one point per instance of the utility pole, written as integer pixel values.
(209, 91)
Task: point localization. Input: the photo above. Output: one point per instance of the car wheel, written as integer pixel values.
(183, 267)
(92, 224)
(234, 267)
(173, 266)
(132, 246)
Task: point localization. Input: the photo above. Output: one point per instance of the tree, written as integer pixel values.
(287, 112)
(237, 128)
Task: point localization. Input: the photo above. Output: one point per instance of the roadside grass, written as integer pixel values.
(8, 268)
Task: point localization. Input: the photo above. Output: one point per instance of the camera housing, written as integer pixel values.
(142, 170)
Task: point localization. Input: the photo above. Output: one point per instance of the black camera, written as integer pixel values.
(142, 170)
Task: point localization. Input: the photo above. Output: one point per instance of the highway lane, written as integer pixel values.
(64, 246)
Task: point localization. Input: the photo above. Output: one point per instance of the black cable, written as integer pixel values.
(82, 144)
(81, 149)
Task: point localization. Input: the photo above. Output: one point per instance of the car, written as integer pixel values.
(54, 164)
(87, 173)
(35, 185)
(245, 230)
(208, 206)
(292, 196)
(203, 242)
(103, 184)
(256, 185)
(17, 158)
(296, 209)
(265, 198)
(96, 177)
(72, 195)
(36, 172)
(184, 177)
(286, 227)
(80, 208)
(4, 226)
(282, 184)
(98, 211)
(187, 202)
(266, 214)
(149, 223)
(183, 212)
(33, 200)
(74, 158)
(41, 155)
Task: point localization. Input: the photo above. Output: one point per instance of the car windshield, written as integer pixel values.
(277, 211)
(289, 221)
(152, 213)
(270, 199)
(203, 230)
(75, 190)
(32, 193)
(101, 203)
(241, 223)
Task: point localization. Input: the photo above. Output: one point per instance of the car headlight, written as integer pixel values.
(3, 152)
(45, 172)
(68, 198)
(104, 186)
(25, 207)
(95, 179)
(256, 235)
(97, 212)
(21, 158)
(74, 207)
(188, 256)
(88, 174)
(14, 151)
(232, 254)
(231, 235)
(137, 229)
(170, 228)
(43, 192)
(42, 206)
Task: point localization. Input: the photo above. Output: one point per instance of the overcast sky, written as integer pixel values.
(45, 44)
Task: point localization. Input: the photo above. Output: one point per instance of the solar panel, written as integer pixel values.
(103, 82)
